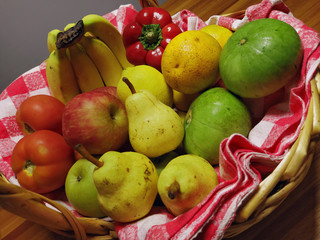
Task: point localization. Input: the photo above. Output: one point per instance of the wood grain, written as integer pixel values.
(298, 217)
(307, 11)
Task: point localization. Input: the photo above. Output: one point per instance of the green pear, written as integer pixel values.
(154, 128)
(185, 182)
(126, 183)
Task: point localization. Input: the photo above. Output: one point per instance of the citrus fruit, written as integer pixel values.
(144, 77)
(221, 34)
(183, 101)
(260, 58)
(190, 62)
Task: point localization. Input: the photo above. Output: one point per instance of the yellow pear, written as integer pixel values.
(154, 127)
(185, 182)
(126, 183)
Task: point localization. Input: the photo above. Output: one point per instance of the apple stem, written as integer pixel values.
(84, 152)
(130, 85)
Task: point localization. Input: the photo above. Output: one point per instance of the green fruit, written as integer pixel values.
(80, 189)
(212, 117)
(260, 58)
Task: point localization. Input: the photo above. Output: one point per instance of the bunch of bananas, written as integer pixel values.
(84, 56)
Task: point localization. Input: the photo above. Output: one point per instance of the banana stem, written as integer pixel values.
(84, 152)
(130, 85)
(70, 36)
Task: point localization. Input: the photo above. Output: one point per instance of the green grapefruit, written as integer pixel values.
(260, 58)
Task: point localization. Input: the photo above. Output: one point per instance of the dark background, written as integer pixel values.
(24, 26)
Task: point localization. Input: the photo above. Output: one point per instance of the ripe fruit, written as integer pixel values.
(127, 185)
(260, 58)
(190, 62)
(97, 120)
(185, 182)
(221, 34)
(144, 77)
(41, 161)
(40, 112)
(183, 101)
(212, 117)
(80, 189)
(154, 128)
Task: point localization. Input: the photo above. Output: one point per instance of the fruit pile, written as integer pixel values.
(141, 115)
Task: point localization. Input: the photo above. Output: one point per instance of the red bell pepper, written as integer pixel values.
(146, 38)
(41, 161)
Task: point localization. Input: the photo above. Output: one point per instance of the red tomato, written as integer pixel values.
(41, 161)
(40, 112)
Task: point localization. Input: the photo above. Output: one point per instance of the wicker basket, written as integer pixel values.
(272, 191)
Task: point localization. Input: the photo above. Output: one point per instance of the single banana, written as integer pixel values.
(102, 29)
(104, 59)
(87, 74)
(60, 76)
(68, 26)
(52, 39)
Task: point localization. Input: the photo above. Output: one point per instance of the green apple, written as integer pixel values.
(144, 77)
(212, 117)
(81, 190)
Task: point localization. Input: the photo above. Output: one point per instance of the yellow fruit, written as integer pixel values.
(183, 101)
(144, 77)
(190, 62)
(221, 34)
(185, 181)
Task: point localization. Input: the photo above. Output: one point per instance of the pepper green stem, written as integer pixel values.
(29, 167)
(151, 36)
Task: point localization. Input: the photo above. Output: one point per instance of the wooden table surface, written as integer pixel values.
(299, 215)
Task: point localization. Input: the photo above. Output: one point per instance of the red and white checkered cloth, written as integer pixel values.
(243, 161)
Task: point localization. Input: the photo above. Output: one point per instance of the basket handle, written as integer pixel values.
(149, 3)
(31, 206)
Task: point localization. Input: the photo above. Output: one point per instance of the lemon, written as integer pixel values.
(144, 77)
(183, 101)
(190, 62)
(221, 34)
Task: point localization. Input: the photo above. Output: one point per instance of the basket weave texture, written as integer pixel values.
(272, 191)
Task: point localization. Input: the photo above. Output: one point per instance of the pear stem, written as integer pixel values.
(85, 153)
(173, 190)
(130, 85)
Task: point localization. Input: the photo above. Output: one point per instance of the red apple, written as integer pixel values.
(40, 112)
(97, 120)
(108, 90)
